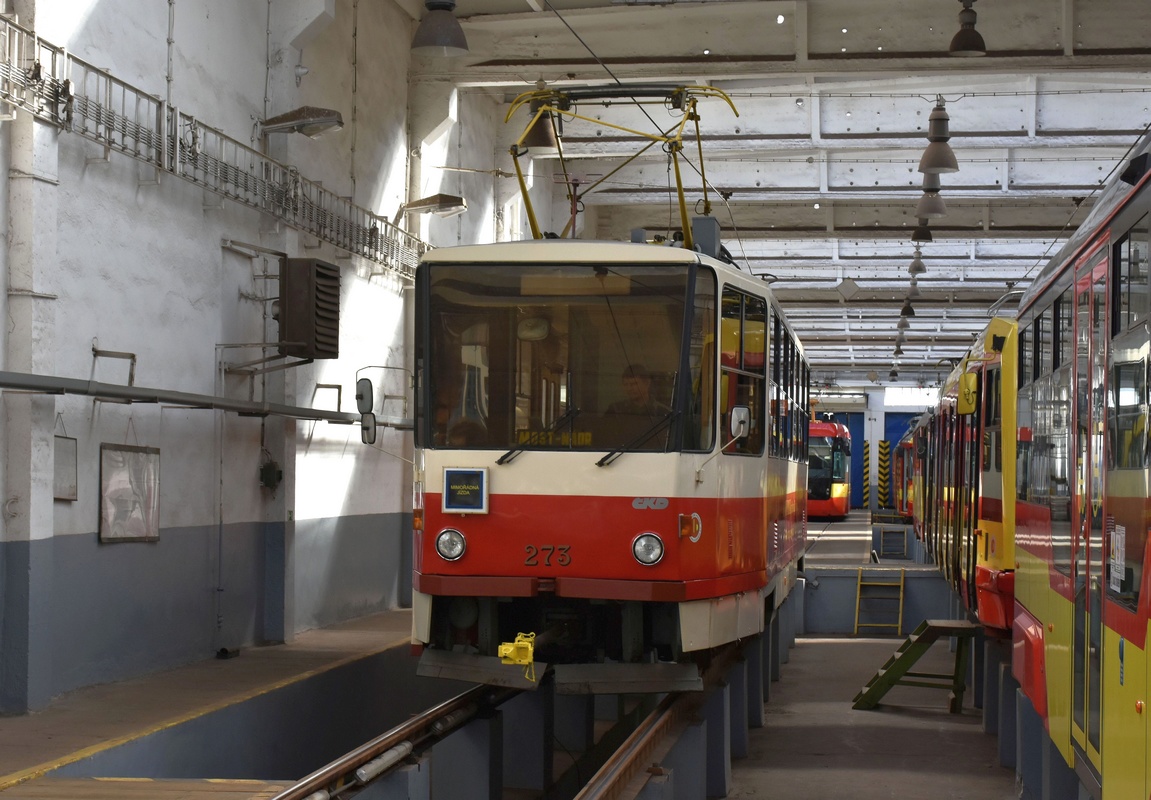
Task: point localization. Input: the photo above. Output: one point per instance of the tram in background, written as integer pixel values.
(968, 465)
(1036, 469)
(903, 475)
(828, 470)
(611, 448)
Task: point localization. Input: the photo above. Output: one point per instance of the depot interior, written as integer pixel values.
(158, 171)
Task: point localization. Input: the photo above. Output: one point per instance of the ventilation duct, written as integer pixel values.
(309, 308)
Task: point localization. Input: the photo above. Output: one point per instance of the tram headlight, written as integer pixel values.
(450, 544)
(647, 549)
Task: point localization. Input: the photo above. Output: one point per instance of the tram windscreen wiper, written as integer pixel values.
(563, 418)
(659, 425)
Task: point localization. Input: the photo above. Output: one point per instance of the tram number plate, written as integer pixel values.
(547, 555)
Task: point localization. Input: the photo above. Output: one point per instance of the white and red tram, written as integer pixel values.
(611, 455)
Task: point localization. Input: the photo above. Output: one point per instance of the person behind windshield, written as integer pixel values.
(637, 390)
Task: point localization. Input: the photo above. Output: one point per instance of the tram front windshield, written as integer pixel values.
(583, 357)
(825, 459)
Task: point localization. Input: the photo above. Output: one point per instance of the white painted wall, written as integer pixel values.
(107, 256)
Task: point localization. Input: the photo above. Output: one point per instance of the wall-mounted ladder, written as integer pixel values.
(879, 597)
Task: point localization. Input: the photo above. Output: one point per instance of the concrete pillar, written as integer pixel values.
(687, 761)
(975, 669)
(27, 433)
(410, 782)
(1008, 693)
(1029, 735)
(738, 679)
(776, 646)
(529, 730)
(757, 682)
(786, 630)
(658, 787)
(575, 722)
(798, 595)
(1059, 779)
(995, 653)
(717, 712)
(468, 764)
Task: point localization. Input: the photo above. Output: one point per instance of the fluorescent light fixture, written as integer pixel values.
(308, 120)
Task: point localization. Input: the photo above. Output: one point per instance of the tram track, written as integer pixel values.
(621, 773)
(351, 772)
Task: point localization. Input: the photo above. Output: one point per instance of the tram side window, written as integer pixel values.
(743, 377)
(1127, 418)
(1024, 485)
(1025, 359)
(1127, 432)
(776, 386)
(1130, 278)
(1064, 330)
(992, 444)
(1045, 341)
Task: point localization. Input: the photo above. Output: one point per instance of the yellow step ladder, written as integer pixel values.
(879, 594)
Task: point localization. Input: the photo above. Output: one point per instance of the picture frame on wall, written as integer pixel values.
(129, 493)
(64, 469)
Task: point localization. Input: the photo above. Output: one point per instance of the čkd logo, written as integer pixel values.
(655, 503)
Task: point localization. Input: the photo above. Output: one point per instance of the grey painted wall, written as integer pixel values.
(283, 734)
(110, 612)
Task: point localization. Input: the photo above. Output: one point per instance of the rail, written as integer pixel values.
(372, 759)
(619, 774)
(59, 89)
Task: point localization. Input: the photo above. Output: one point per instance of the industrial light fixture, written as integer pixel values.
(901, 338)
(930, 205)
(938, 157)
(968, 42)
(907, 310)
(903, 324)
(917, 267)
(541, 138)
(922, 233)
(308, 120)
(898, 349)
(913, 289)
(442, 205)
(893, 374)
(439, 33)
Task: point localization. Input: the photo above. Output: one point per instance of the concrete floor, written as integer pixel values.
(814, 745)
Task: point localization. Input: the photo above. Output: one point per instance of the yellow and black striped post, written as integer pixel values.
(867, 474)
(885, 474)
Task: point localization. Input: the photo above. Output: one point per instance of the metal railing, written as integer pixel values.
(57, 88)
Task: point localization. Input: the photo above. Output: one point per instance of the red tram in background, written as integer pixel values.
(828, 470)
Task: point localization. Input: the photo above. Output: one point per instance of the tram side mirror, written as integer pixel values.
(368, 428)
(740, 422)
(364, 397)
(968, 390)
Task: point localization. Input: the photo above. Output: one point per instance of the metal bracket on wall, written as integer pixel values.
(97, 354)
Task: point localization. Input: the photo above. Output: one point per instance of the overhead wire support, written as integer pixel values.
(549, 104)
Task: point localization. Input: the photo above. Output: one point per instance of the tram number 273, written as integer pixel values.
(544, 554)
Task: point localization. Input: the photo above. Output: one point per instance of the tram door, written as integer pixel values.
(1087, 557)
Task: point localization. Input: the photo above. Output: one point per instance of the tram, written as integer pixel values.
(1037, 477)
(611, 448)
(828, 470)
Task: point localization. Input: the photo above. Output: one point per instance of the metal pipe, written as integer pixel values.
(23, 381)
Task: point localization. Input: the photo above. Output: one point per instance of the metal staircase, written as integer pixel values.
(896, 671)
